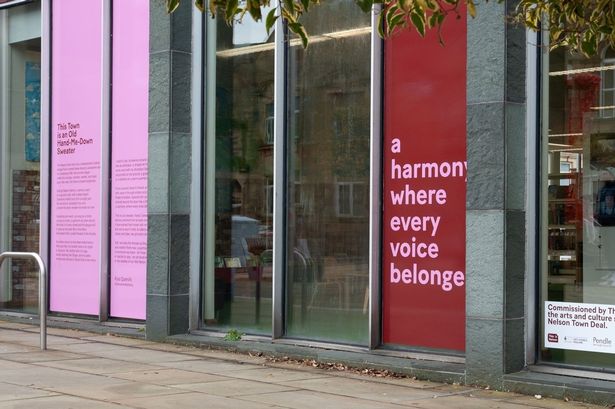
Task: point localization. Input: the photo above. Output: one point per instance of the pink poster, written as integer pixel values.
(75, 156)
(129, 158)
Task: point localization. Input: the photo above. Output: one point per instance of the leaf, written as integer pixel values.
(290, 6)
(255, 12)
(381, 24)
(231, 9)
(471, 8)
(270, 20)
(172, 5)
(390, 13)
(418, 22)
(364, 5)
(589, 45)
(298, 29)
(199, 5)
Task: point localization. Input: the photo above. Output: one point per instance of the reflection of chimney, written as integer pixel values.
(582, 94)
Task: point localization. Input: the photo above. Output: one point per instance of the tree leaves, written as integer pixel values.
(581, 25)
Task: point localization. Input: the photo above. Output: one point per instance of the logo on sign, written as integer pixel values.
(602, 342)
(552, 338)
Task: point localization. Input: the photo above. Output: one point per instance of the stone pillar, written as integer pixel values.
(169, 170)
(495, 203)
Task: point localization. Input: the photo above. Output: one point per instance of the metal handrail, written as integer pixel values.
(42, 288)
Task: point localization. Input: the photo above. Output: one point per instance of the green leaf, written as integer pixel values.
(172, 5)
(298, 29)
(364, 5)
(418, 22)
(270, 20)
(381, 24)
(390, 13)
(199, 5)
(589, 44)
(290, 6)
(255, 12)
(231, 9)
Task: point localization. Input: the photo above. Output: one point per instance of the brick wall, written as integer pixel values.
(25, 219)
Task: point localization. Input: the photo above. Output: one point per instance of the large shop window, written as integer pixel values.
(328, 122)
(20, 56)
(239, 192)
(578, 210)
(326, 223)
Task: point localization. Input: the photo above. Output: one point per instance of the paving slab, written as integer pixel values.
(89, 348)
(546, 403)
(211, 366)
(235, 387)
(313, 400)
(112, 339)
(464, 402)
(8, 366)
(364, 389)
(115, 389)
(222, 355)
(98, 365)
(192, 401)
(274, 375)
(51, 378)
(165, 376)
(41, 356)
(143, 355)
(10, 348)
(58, 402)
(17, 336)
(13, 392)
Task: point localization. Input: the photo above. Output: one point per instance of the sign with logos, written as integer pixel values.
(424, 188)
(580, 326)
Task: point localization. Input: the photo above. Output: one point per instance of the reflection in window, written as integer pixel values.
(328, 175)
(242, 114)
(578, 190)
(20, 176)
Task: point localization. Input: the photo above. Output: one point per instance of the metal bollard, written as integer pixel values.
(42, 288)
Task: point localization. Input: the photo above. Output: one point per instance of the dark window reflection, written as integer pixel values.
(243, 178)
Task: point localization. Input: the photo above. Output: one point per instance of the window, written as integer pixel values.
(352, 199)
(578, 210)
(328, 173)
(20, 64)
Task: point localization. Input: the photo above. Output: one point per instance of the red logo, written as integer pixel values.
(552, 338)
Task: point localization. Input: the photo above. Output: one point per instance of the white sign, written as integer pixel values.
(580, 326)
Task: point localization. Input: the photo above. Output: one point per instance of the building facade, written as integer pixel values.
(441, 211)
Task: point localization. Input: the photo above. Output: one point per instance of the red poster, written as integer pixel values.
(424, 190)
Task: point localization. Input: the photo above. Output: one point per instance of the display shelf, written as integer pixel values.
(564, 228)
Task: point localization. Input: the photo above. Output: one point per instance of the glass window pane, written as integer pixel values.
(608, 78)
(578, 266)
(328, 157)
(241, 288)
(20, 195)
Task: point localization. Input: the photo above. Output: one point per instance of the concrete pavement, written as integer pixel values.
(86, 370)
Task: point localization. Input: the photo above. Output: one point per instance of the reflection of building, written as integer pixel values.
(267, 206)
